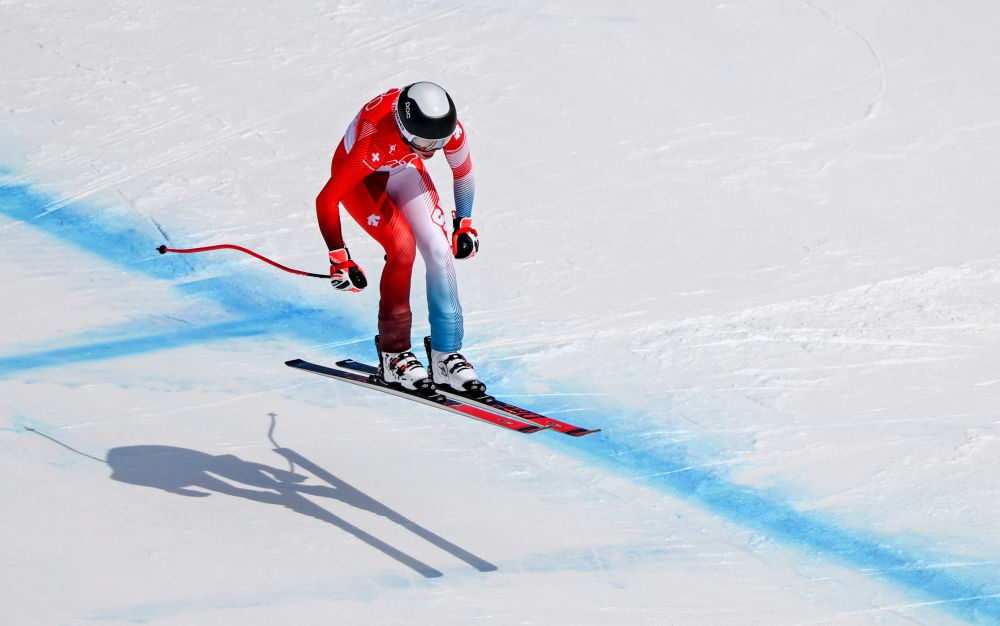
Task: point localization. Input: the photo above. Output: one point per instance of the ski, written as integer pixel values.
(489, 403)
(441, 401)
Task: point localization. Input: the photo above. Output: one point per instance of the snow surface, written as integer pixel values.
(755, 242)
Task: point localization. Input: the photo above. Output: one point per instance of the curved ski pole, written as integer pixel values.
(227, 246)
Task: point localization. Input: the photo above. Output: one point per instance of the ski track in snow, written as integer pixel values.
(876, 105)
(965, 589)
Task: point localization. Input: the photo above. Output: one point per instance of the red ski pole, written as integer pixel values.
(225, 246)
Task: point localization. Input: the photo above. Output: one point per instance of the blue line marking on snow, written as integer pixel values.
(680, 471)
(116, 236)
(125, 241)
(115, 348)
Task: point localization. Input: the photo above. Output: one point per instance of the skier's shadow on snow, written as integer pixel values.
(188, 472)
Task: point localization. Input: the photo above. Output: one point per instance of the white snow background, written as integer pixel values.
(755, 242)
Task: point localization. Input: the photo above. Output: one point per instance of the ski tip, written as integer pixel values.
(294, 362)
(580, 432)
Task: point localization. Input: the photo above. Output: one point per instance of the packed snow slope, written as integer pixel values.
(754, 242)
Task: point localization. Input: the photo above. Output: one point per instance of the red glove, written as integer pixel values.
(464, 239)
(345, 274)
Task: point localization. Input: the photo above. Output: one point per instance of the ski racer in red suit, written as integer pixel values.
(379, 177)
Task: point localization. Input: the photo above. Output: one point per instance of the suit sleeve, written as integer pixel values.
(346, 172)
(460, 161)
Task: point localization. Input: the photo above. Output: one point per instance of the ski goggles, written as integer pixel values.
(424, 145)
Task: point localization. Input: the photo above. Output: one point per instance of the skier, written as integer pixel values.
(378, 175)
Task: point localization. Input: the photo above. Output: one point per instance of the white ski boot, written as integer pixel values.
(403, 369)
(453, 370)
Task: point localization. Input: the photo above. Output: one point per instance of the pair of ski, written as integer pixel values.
(481, 407)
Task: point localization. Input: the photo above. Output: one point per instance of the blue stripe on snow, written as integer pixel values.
(114, 348)
(123, 240)
(129, 241)
(973, 600)
(116, 236)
